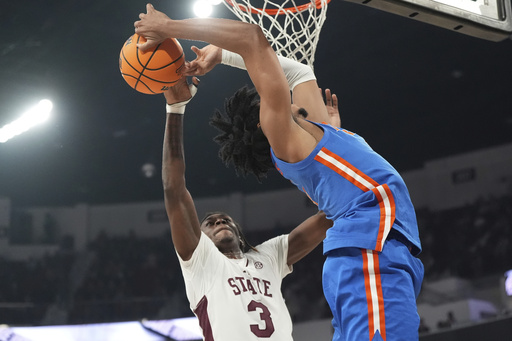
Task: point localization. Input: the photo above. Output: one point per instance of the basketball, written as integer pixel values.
(152, 71)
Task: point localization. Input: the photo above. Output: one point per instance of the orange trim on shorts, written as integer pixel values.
(374, 297)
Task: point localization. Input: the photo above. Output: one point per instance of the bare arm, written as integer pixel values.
(289, 141)
(305, 237)
(181, 211)
(300, 79)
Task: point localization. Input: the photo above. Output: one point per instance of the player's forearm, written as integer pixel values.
(236, 36)
(233, 35)
(185, 230)
(308, 235)
(173, 160)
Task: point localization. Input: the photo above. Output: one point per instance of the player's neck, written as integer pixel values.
(234, 254)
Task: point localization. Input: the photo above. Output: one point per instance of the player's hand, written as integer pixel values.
(182, 92)
(331, 104)
(206, 59)
(152, 27)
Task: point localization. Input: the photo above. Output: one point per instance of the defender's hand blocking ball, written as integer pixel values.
(152, 71)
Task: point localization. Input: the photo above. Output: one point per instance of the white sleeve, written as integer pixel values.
(205, 257)
(276, 249)
(295, 72)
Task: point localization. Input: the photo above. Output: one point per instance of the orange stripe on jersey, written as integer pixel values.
(327, 123)
(374, 298)
(345, 169)
(314, 202)
(364, 183)
(348, 132)
(279, 170)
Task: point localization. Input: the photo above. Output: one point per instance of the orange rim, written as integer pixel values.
(275, 11)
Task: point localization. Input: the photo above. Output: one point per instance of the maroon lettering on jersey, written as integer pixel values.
(241, 281)
(258, 284)
(250, 287)
(265, 316)
(267, 286)
(232, 284)
(254, 285)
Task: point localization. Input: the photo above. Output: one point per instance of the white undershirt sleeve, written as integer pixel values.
(295, 72)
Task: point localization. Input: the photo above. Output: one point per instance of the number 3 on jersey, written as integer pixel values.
(265, 317)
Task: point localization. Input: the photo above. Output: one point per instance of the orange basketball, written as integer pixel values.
(152, 71)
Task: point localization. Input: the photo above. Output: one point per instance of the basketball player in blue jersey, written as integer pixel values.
(371, 275)
(234, 289)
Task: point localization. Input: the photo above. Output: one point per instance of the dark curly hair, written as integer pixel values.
(241, 140)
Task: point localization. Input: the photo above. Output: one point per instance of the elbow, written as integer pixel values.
(255, 38)
(323, 224)
(173, 185)
(172, 181)
(173, 191)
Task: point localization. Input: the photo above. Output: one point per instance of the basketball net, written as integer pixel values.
(292, 30)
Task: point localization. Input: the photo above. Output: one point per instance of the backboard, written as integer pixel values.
(485, 19)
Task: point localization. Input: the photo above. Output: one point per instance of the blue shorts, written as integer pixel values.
(372, 295)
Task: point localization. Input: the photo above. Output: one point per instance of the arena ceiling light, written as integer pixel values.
(204, 8)
(34, 116)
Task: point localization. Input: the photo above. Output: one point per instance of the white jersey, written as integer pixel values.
(239, 299)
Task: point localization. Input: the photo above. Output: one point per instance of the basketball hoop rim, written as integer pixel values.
(295, 9)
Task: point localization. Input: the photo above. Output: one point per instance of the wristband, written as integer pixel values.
(232, 59)
(179, 108)
(176, 108)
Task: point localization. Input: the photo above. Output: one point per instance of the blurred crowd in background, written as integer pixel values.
(130, 278)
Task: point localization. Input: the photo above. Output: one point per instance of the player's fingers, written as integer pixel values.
(335, 101)
(328, 97)
(145, 46)
(190, 65)
(189, 72)
(196, 50)
(149, 8)
(192, 68)
(186, 69)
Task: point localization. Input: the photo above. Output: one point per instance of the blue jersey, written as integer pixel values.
(357, 189)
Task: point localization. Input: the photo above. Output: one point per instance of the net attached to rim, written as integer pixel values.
(292, 29)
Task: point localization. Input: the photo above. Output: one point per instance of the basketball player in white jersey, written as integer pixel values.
(233, 288)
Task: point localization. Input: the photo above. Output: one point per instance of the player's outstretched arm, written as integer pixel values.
(288, 140)
(181, 211)
(300, 77)
(308, 235)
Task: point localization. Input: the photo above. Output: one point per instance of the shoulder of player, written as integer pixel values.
(271, 244)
